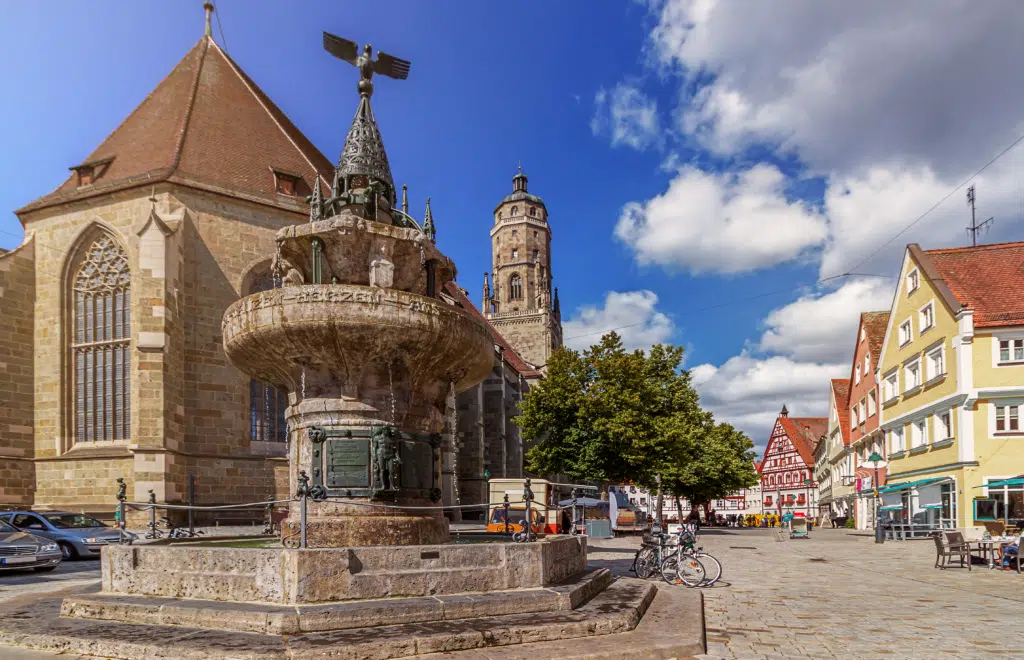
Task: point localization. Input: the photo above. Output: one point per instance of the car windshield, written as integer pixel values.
(73, 521)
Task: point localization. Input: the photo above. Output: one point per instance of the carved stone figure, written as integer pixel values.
(387, 463)
(122, 490)
(290, 275)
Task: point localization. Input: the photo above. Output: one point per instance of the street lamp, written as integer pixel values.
(877, 460)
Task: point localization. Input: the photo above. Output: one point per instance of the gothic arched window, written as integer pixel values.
(266, 402)
(101, 342)
(515, 210)
(515, 288)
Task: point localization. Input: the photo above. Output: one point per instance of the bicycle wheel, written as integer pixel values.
(646, 562)
(677, 569)
(713, 568)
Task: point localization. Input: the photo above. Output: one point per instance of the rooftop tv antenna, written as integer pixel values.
(975, 227)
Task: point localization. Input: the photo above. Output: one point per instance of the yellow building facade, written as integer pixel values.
(951, 377)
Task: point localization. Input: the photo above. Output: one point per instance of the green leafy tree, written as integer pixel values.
(609, 414)
(718, 461)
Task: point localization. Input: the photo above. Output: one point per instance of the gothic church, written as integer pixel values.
(111, 357)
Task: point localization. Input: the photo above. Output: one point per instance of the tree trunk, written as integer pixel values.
(658, 508)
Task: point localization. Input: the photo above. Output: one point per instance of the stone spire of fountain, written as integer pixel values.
(368, 350)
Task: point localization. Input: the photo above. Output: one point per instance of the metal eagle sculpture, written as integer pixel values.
(385, 65)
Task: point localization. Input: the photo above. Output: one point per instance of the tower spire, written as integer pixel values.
(485, 300)
(428, 224)
(208, 8)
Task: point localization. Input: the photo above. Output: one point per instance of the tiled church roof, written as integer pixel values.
(208, 125)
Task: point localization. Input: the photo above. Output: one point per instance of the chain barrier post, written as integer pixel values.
(122, 489)
(505, 505)
(572, 528)
(191, 503)
(528, 498)
(152, 515)
(302, 493)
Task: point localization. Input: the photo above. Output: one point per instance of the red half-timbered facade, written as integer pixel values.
(787, 469)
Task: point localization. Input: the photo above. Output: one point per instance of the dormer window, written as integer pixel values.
(88, 173)
(286, 183)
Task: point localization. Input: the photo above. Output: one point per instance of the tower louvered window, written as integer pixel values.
(101, 343)
(266, 403)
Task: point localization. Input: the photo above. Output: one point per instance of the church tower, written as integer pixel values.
(520, 304)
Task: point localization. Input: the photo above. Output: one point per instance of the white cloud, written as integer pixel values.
(867, 210)
(805, 343)
(749, 391)
(630, 116)
(821, 327)
(632, 314)
(726, 222)
(851, 85)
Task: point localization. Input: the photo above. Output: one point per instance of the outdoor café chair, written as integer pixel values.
(949, 545)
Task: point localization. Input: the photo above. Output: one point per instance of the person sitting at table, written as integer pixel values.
(1010, 551)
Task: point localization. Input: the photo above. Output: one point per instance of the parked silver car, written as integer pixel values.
(23, 550)
(76, 534)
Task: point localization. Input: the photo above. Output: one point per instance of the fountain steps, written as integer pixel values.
(613, 612)
(325, 617)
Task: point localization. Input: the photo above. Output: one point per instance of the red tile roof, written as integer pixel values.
(987, 278)
(516, 361)
(874, 324)
(841, 391)
(208, 125)
(804, 433)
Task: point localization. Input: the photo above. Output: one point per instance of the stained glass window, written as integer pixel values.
(100, 344)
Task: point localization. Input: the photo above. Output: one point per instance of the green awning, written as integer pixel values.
(1016, 481)
(888, 488)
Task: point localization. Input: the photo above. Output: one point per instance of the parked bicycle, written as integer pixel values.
(663, 553)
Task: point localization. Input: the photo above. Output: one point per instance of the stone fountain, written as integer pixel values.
(361, 334)
(362, 337)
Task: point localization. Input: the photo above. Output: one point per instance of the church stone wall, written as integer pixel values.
(481, 437)
(189, 406)
(17, 294)
(530, 334)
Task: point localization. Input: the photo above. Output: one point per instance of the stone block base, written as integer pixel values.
(356, 531)
(295, 620)
(325, 575)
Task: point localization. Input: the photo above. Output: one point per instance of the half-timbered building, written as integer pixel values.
(787, 470)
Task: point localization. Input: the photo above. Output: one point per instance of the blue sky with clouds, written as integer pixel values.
(704, 163)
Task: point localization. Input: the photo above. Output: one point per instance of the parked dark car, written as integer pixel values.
(77, 535)
(23, 550)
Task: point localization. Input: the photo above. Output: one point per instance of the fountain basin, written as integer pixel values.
(326, 575)
(340, 335)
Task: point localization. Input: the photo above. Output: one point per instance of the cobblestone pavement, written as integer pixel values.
(840, 595)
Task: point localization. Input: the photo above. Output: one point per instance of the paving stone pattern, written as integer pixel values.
(778, 599)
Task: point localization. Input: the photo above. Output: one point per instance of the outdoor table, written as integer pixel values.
(990, 548)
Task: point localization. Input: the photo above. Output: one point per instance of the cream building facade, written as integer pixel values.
(951, 374)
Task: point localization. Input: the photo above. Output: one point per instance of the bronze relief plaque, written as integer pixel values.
(348, 463)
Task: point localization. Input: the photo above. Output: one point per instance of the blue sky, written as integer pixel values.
(703, 164)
